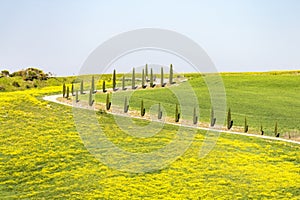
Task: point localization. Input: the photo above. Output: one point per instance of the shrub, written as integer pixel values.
(16, 84)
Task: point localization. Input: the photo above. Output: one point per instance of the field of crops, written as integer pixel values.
(42, 154)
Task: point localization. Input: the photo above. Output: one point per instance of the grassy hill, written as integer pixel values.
(263, 98)
(43, 156)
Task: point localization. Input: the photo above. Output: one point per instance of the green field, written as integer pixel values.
(264, 98)
(43, 156)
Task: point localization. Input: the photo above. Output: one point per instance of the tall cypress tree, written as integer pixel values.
(114, 80)
(212, 117)
(133, 79)
(81, 87)
(146, 72)
(151, 78)
(67, 94)
(162, 77)
(64, 90)
(229, 121)
(171, 75)
(143, 79)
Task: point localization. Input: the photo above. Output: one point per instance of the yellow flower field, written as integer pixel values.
(43, 156)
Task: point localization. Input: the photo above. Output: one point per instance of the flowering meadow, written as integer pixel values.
(42, 156)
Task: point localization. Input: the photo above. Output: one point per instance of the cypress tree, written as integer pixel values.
(103, 87)
(72, 90)
(91, 101)
(64, 90)
(93, 85)
(143, 110)
(126, 106)
(212, 118)
(76, 94)
(151, 79)
(81, 87)
(177, 114)
(195, 117)
(146, 72)
(229, 121)
(67, 94)
(162, 77)
(276, 131)
(114, 80)
(143, 79)
(245, 126)
(108, 103)
(261, 130)
(123, 83)
(133, 79)
(159, 112)
(171, 75)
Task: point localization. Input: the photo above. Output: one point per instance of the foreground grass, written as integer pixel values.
(42, 156)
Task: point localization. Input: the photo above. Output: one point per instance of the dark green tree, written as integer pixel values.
(64, 90)
(72, 90)
(246, 126)
(276, 131)
(212, 117)
(108, 103)
(91, 100)
(159, 112)
(177, 114)
(133, 79)
(67, 93)
(143, 110)
(143, 79)
(103, 87)
(123, 83)
(81, 87)
(146, 72)
(76, 95)
(151, 78)
(261, 130)
(93, 85)
(162, 77)
(171, 75)
(114, 81)
(229, 121)
(195, 117)
(126, 106)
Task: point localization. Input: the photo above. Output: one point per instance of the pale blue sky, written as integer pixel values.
(238, 35)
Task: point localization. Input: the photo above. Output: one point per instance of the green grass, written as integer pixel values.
(264, 98)
(42, 156)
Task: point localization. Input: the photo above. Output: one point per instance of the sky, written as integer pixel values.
(58, 35)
